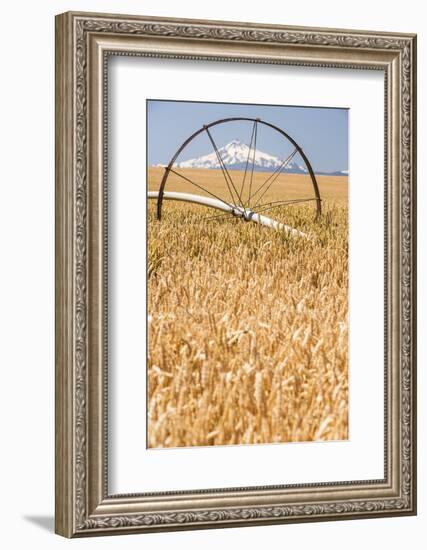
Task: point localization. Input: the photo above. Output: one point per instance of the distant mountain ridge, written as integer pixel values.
(235, 155)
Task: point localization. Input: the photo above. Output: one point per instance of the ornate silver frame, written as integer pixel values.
(83, 42)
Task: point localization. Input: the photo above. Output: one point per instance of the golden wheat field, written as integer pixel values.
(248, 327)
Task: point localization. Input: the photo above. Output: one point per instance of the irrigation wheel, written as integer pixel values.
(248, 198)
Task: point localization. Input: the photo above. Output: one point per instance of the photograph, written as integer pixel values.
(247, 274)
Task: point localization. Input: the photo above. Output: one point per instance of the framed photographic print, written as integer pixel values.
(235, 274)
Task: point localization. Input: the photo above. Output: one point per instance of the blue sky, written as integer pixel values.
(321, 132)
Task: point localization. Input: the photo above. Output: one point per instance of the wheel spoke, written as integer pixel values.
(201, 187)
(276, 204)
(267, 180)
(273, 177)
(247, 160)
(253, 163)
(225, 172)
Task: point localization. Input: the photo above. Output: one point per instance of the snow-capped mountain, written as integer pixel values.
(235, 155)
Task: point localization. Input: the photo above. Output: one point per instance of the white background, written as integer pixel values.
(27, 276)
(133, 467)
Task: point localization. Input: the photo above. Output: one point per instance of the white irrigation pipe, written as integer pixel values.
(238, 211)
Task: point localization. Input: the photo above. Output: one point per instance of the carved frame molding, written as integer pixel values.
(83, 43)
